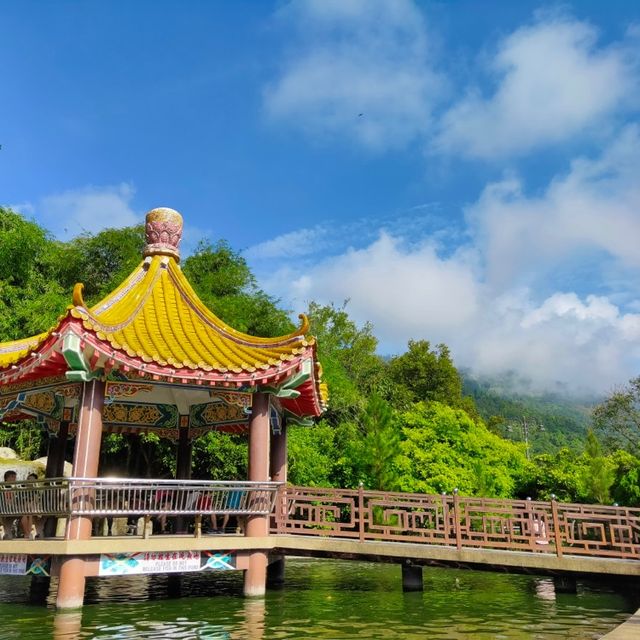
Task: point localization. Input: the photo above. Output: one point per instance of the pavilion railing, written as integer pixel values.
(461, 522)
(135, 497)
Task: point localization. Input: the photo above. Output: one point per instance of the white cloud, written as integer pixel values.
(288, 245)
(585, 345)
(407, 292)
(553, 81)
(90, 209)
(359, 69)
(487, 300)
(593, 208)
(544, 83)
(404, 291)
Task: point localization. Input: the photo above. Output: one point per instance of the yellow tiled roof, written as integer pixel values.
(11, 352)
(156, 316)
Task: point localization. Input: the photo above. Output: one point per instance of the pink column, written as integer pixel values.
(278, 465)
(183, 468)
(279, 456)
(275, 570)
(85, 465)
(255, 576)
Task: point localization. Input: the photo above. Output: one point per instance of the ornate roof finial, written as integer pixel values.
(163, 230)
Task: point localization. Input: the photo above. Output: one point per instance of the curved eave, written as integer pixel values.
(43, 359)
(313, 398)
(46, 359)
(110, 358)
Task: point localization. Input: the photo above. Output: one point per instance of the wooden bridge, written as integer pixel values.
(411, 529)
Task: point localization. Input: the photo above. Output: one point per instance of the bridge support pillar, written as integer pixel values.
(174, 585)
(255, 577)
(71, 584)
(39, 589)
(565, 584)
(411, 577)
(275, 572)
(86, 457)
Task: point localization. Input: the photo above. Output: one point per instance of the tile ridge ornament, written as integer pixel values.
(163, 232)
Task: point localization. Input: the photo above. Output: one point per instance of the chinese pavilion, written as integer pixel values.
(151, 357)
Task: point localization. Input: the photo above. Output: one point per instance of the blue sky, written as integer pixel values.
(465, 172)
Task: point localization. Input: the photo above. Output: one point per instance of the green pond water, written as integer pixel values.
(322, 599)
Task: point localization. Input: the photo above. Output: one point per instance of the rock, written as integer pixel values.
(8, 454)
(22, 468)
(68, 467)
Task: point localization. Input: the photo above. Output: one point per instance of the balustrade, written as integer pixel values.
(132, 497)
(464, 522)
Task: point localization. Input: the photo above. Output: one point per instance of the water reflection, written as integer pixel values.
(321, 599)
(545, 589)
(67, 626)
(253, 627)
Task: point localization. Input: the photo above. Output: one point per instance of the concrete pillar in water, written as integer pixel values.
(85, 465)
(51, 461)
(183, 458)
(174, 585)
(411, 577)
(255, 577)
(39, 589)
(61, 449)
(275, 572)
(565, 584)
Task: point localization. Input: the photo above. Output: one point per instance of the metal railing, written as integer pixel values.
(135, 497)
(462, 522)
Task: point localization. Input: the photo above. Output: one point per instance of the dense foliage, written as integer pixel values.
(407, 423)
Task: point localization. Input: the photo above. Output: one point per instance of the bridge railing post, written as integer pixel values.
(557, 531)
(361, 512)
(445, 518)
(281, 508)
(529, 526)
(457, 518)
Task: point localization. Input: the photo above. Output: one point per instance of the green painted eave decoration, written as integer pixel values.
(79, 370)
(298, 421)
(287, 389)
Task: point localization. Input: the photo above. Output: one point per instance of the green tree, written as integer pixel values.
(625, 489)
(381, 444)
(347, 352)
(312, 455)
(224, 282)
(618, 417)
(30, 296)
(554, 474)
(220, 456)
(596, 477)
(443, 448)
(100, 261)
(428, 374)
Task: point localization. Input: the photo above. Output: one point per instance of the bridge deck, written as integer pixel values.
(517, 561)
